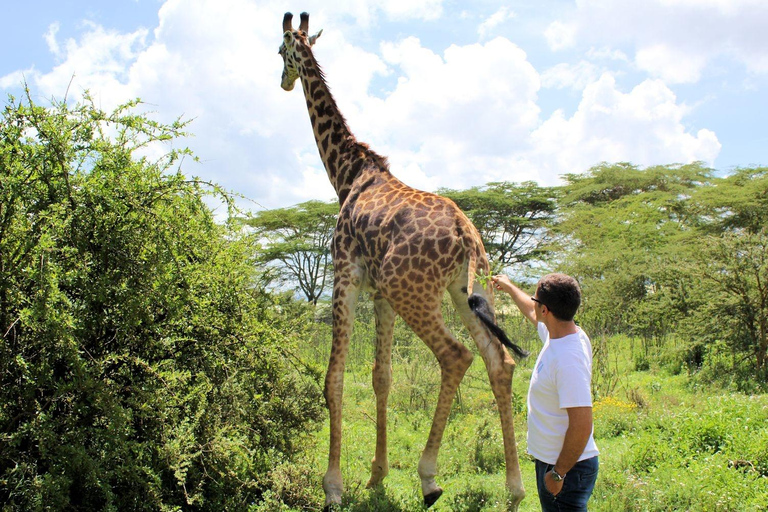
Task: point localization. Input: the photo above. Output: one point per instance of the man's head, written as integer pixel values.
(561, 294)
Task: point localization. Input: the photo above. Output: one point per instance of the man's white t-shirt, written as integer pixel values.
(561, 379)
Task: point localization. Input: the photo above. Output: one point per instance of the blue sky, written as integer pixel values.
(456, 94)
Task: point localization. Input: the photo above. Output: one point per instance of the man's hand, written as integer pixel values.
(553, 487)
(521, 299)
(502, 282)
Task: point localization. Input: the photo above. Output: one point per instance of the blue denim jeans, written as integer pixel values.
(577, 487)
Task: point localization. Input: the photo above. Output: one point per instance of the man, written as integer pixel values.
(559, 398)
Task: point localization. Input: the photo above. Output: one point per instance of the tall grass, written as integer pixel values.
(666, 442)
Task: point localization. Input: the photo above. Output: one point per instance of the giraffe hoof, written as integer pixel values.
(432, 497)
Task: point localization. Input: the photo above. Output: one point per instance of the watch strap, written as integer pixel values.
(557, 476)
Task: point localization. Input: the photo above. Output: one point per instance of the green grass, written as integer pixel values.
(665, 444)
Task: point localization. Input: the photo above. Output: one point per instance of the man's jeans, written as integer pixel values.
(577, 487)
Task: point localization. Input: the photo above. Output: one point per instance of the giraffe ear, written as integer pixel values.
(314, 38)
(288, 37)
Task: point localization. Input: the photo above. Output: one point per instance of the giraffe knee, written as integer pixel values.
(333, 389)
(456, 358)
(382, 379)
(502, 374)
(466, 358)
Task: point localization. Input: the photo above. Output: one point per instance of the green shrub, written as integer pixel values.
(141, 368)
(642, 363)
(708, 435)
(471, 500)
(648, 454)
(488, 453)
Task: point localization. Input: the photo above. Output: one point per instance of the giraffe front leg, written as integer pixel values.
(334, 390)
(345, 299)
(382, 382)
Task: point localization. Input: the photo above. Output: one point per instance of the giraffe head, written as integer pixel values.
(296, 43)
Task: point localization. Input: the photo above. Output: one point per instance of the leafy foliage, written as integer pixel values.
(626, 228)
(510, 217)
(734, 268)
(672, 250)
(140, 367)
(739, 202)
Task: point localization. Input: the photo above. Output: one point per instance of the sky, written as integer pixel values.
(455, 94)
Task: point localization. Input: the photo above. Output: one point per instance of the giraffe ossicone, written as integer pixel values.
(406, 248)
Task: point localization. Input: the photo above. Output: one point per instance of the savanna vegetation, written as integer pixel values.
(155, 358)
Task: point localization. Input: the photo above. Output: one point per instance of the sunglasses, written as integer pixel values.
(534, 299)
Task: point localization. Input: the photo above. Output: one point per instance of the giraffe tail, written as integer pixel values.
(477, 303)
(481, 308)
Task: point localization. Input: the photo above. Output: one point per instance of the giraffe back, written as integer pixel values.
(411, 244)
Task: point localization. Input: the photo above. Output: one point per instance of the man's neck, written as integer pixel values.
(560, 329)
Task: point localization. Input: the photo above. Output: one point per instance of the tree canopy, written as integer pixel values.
(672, 250)
(298, 240)
(512, 218)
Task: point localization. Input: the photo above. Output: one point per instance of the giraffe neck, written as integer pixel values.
(342, 155)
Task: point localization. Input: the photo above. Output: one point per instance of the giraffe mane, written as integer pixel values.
(380, 160)
(321, 77)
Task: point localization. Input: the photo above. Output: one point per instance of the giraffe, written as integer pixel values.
(406, 248)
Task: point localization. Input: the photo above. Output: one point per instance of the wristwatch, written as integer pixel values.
(556, 476)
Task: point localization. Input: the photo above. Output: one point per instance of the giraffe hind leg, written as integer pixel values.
(501, 368)
(454, 359)
(382, 381)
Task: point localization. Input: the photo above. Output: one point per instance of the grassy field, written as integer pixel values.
(666, 444)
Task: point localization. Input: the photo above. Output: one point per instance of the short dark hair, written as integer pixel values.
(561, 294)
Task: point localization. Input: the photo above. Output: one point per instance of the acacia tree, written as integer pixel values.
(298, 240)
(512, 218)
(623, 228)
(732, 261)
(674, 249)
(736, 266)
(738, 202)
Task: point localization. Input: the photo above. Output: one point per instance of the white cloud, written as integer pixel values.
(672, 39)
(349, 71)
(575, 77)
(496, 19)
(407, 9)
(454, 115)
(671, 64)
(450, 117)
(99, 62)
(643, 126)
(50, 39)
(361, 15)
(606, 53)
(560, 35)
(15, 79)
